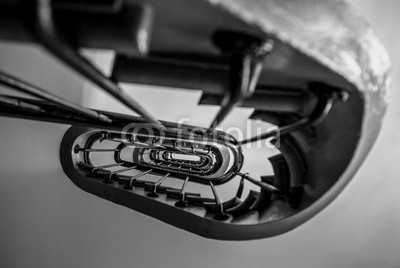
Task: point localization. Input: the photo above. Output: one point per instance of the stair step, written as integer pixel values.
(282, 101)
(244, 206)
(264, 198)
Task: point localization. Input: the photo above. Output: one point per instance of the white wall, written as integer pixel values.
(46, 221)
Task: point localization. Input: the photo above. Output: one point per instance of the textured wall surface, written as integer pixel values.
(46, 221)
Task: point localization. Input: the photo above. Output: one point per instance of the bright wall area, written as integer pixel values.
(46, 221)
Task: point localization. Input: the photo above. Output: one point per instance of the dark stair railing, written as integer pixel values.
(237, 71)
